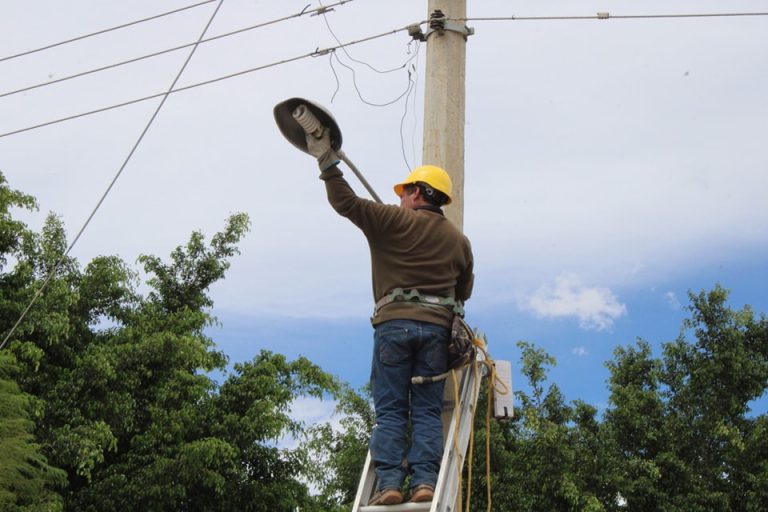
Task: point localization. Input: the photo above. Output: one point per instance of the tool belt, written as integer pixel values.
(419, 299)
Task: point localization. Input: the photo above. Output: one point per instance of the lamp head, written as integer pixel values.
(294, 132)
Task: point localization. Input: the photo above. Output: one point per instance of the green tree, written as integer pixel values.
(251, 413)
(121, 388)
(549, 457)
(27, 481)
(681, 424)
(338, 454)
(635, 423)
(121, 378)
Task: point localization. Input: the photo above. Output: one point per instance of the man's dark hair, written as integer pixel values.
(429, 193)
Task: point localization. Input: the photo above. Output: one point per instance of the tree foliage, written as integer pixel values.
(27, 481)
(338, 453)
(682, 423)
(677, 434)
(107, 400)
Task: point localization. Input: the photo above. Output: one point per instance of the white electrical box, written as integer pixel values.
(503, 398)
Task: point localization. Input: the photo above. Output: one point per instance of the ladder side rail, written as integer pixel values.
(447, 488)
(366, 485)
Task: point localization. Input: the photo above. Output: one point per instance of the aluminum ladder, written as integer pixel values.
(447, 488)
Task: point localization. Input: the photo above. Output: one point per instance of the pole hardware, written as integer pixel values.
(437, 20)
(325, 51)
(324, 9)
(439, 23)
(416, 33)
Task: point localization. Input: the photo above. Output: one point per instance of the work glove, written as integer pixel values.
(320, 148)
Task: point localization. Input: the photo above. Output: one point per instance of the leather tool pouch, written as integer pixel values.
(461, 349)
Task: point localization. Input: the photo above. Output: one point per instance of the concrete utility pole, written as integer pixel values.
(444, 97)
(443, 143)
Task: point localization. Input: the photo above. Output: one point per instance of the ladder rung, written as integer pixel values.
(403, 507)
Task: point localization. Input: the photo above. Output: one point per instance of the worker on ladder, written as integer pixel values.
(422, 273)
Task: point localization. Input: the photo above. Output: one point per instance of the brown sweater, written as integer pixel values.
(410, 249)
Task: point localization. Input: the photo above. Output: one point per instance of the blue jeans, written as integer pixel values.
(403, 349)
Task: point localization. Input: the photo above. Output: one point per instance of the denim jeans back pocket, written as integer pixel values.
(435, 353)
(391, 344)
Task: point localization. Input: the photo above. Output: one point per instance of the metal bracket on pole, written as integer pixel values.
(439, 23)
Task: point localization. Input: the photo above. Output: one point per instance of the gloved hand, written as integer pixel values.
(320, 148)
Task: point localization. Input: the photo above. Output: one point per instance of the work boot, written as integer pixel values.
(387, 497)
(422, 493)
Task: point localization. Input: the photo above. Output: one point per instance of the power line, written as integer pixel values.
(112, 183)
(315, 53)
(304, 12)
(325, 51)
(104, 31)
(606, 15)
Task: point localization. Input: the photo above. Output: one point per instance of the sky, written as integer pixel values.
(611, 166)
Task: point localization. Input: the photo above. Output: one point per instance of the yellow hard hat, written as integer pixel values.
(433, 176)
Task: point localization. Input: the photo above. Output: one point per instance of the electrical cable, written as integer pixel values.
(360, 94)
(315, 53)
(169, 50)
(354, 75)
(335, 76)
(104, 31)
(323, 10)
(410, 87)
(413, 109)
(405, 113)
(112, 183)
(406, 93)
(414, 83)
(605, 16)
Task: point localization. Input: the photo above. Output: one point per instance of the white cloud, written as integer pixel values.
(580, 351)
(672, 300)
(310, 411)
(595, 307)
(313, 410)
